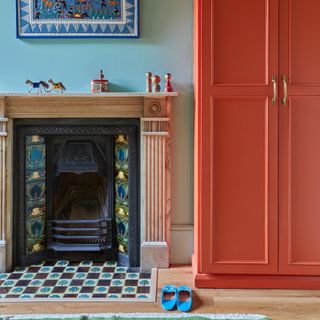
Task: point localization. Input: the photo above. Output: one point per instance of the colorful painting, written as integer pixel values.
(77, 18)
(77, 9)
(36, 199)
(121, 190)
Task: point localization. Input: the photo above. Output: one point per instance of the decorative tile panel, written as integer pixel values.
(35, 196)
(108, 282)
(121, 190)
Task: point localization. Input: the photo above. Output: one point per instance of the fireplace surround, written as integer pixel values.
(151, 111)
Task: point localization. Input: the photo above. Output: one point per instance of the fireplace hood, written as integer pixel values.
(80, 157)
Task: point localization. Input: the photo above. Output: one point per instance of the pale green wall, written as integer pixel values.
(165, 46)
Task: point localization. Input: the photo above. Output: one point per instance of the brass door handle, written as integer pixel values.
(285, 90)
(275, 93)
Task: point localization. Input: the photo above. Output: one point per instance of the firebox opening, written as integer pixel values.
(82, 218)
(82, 214)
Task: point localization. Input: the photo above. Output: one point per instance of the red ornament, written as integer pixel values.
(168, 83)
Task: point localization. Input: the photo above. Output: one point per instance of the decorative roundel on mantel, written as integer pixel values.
(155, 108)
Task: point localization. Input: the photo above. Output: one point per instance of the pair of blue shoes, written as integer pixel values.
(172, 297)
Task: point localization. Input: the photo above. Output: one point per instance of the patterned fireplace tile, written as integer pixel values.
(85, 281)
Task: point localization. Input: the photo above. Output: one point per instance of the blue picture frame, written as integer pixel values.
(77, 18)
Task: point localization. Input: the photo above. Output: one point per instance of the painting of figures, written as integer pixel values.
(77, 18)
(77, 9)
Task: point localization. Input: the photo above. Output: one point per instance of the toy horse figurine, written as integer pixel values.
(37, 85)
(56, 86)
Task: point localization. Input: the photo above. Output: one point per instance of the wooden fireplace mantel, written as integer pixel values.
(154, 111)
(83, 105)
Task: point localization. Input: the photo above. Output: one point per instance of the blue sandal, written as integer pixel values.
(168, 297)
(184, 299)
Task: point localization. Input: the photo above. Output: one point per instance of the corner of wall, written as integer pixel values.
(181, 248)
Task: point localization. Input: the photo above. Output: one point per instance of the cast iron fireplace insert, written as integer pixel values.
(76, 190)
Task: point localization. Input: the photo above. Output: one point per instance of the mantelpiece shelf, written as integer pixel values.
(84, 105)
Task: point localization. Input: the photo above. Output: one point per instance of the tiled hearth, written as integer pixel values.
(154, 112)
(63, 280)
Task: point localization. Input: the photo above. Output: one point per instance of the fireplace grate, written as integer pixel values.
(80, 235)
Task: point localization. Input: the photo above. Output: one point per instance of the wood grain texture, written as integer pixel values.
(156, 209)
(3, 176)
(3, 192)
(2, 106)
(74, 107)
(156, 182)
(276, 304)
(119, 105)
(9, 195)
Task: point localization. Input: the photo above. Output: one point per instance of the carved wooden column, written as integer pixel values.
(156, 183)
(3, 183)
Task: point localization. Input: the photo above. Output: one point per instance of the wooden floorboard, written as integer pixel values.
(277, 304)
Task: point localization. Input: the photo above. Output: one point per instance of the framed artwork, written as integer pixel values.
(77, 18)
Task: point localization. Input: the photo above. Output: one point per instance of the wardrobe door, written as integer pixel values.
(299, 156)
(238, 136)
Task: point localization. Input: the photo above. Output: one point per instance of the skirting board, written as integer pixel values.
(222, 281)
(181, 247)
(3, 256)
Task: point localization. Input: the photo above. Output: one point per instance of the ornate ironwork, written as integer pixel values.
(78, 128)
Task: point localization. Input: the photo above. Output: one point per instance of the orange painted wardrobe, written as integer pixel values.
(257, 144)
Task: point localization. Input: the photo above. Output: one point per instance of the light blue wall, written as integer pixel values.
(165, 46)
